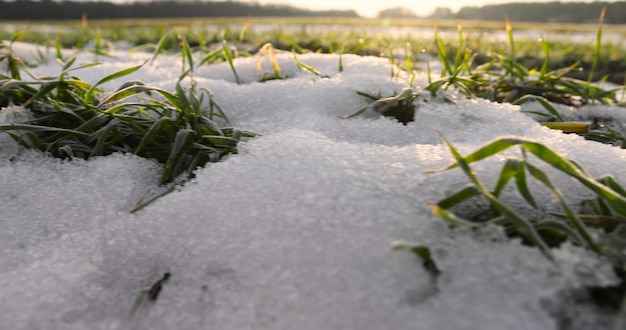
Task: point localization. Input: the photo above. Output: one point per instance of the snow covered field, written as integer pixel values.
(295, 231)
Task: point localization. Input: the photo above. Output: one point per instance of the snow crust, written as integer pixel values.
(295, 231)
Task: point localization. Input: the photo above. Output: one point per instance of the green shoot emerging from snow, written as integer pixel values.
(400, 106)
(606, 211)
(183, 129)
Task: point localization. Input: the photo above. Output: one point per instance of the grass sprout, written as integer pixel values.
(268, 50)
(307, 68)
(229, 58)
(183, 129)
(609, 205)
(423, 252)
(151, 294)
(606, 211)
(400, 106)
(505, 79)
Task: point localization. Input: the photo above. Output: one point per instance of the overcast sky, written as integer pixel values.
(370, 8)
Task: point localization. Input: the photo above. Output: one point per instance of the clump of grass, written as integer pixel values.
(400, 106)
(183, 129)
(505, 79)
(606, 211)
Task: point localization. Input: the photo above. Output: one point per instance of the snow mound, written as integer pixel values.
(295, 231)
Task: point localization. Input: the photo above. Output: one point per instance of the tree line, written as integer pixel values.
(559, 12)
(555, 12)
(60, 10)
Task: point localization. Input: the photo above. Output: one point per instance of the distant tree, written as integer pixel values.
(397, 12)
(442, 13)
(73, 9)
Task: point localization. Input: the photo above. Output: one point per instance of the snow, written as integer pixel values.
(295, 231)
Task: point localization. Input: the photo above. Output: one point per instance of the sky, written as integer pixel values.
(372, 7)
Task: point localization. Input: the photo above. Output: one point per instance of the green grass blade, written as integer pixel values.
(508, 172)
(545, 103)
(123, 94)
(424, 253)
(459, 197)
(523, 226)
(443, 56)
(187, 55)
(178, 148)
(229, 58)
(546, 53)
(451, 218)
(598, 47)
(522, 186)
(150, 135)
(308, 68)
(160, 46)
(89, 97)
(211, 57)
(37, 128)
(580, 227)
(18, 36)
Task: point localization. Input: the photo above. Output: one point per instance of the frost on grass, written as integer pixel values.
(295, 231)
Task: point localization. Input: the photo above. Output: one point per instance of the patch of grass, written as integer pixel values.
(606, 211)
(505, 79)
(182, 129)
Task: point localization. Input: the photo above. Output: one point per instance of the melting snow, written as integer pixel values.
(294, 232)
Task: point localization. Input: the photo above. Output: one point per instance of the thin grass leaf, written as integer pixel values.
(89, 97)
(451, 218)
(160, 46)
(442, 54)
(523, 226)
(244, 29)
(424, 253)
(551, 157)
(143, 201)
(220, 141)
(67, 150)
(38, 128)
(101, 137)
(122, 94)
(568, 127)
(173, 99)
(31, 141)
(522, 186)
(211, 57)
(609, 181)
(509, 171)
(546, 61)
(459, 197)
(173, 160)
(229, 59)
(598, 48)
(545, 103)
(459, 51)
(580, 227)
(18, 36)
(187, 55)
(308, 68)
(152, 132)
(214, 105)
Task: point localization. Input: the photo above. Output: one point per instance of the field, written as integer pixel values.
(233, 174)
